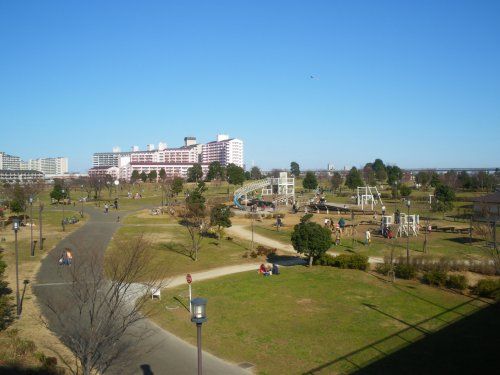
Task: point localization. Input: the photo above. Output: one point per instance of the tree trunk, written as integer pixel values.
(310, 261)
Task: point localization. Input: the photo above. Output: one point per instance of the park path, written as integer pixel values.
(159, 351)
(243, 233)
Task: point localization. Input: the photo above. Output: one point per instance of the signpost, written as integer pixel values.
(189, 280)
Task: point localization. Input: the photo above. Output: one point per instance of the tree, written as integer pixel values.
(97, 184)
(195, 173)
(95, 309)
(444, 197)
(220, 216)
(152, 176)
(404, 190)
(194, 218)
(235, 174)
(255, 173)
(369, 174)
(215, 171)
(135, 176)
(295, 169)
(394, 174)
(310, 182)
(6, 306)
(380, 170)
(353, 179)
(464, 180)
(163, 174)
(177, 185)
(336, 181)
(57, 191)
(423, 178)
(435, 180)
(311, 239)
(143, 176)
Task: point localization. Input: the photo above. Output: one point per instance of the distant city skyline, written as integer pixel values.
(416, 84)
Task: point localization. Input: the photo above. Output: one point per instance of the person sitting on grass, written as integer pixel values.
(275, 269)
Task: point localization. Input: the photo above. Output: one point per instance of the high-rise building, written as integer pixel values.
(9, 161)
(108, 159)
(49, 166)
(224, 150)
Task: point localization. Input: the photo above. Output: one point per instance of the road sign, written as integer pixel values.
(189, 279)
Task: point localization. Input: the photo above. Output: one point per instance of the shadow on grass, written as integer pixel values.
(464, 240)
(286, 260)
(464, 345)
(175, 247)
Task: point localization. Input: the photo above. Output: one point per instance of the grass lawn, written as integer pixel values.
(306, 318)
(170, 248)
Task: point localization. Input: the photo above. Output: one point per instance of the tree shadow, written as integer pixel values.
(175, 247)
(453, 348)
(286, 260)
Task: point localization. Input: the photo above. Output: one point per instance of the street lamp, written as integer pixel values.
(15, 228)
(64, 203)
(32, 248)
(408, 204)
(199, 316)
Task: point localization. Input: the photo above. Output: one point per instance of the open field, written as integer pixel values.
(305, 318)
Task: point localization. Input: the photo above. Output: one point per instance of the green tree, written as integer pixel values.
(195, 173)
(135, 176)
(295, 169)
(152, 176)
(336, 181)
(423, 178)
(464, 180)
(163, 174)
(369, 174)
(404, 190)
(310, 181)
(443, 198)
(215, 171)
(235, 174)
(57, 191)
(353, 179)
(394, 174)
(311, 239)
(177, 185)
(220, 217)
(435, 180)
(255, 173)
(143, 176)
(6, 306)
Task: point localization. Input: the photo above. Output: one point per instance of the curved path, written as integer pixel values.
(159, 352)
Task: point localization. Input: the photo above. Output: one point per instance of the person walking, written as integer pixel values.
(367, 237)
(106, 208)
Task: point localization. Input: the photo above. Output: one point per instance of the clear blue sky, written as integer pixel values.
(416, 83)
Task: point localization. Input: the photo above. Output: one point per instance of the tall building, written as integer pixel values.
(49, 166)
(108, 159)
(224, 150)
(9, 161)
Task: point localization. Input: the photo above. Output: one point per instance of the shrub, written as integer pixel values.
(266, 251)
(435, 277)
(458, 282)
(404, 271)
(253, 254)
(488, 288)
(352, 261)
(383, 268)
(324, 260)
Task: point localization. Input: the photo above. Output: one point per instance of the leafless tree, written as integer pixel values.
(103, 302)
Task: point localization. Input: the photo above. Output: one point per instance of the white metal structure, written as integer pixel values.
(408, 225)
(368, 195)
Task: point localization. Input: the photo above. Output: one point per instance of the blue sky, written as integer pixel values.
(416, 83)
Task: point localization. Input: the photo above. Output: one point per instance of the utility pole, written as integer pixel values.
(40, 209)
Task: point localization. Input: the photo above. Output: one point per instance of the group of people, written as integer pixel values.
(269, 269)
(66, 258)
(336, 228)
(108, 204)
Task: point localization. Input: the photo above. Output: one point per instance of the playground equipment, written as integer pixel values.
(281, 188)
(368, 195)
(406, 225)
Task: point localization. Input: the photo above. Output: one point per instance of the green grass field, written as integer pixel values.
(305, 318)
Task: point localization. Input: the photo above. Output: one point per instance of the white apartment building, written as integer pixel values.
(49, 166)
(21, 176)
(224, 150)
(102, 172)
(108, 159)
(9, 161)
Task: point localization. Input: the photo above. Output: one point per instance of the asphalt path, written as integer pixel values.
(151, 350)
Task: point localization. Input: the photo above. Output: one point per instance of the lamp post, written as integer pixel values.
(408, 203)
(199, 316)
(64, 203)
(15, 228)
(32, 248)
(40, 209)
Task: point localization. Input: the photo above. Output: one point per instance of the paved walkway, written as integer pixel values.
(242, 232)
(159, 351)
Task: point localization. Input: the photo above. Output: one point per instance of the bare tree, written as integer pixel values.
(102, 303)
